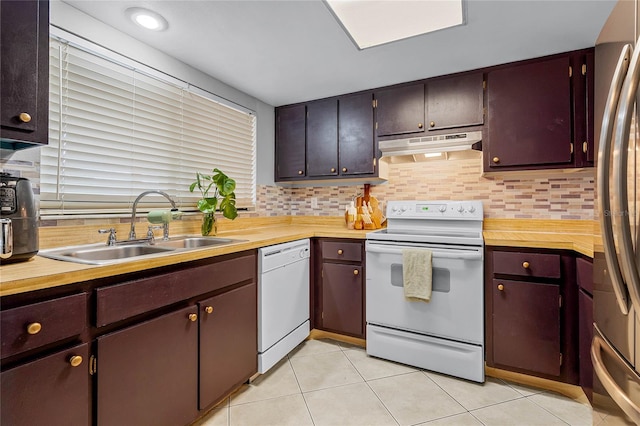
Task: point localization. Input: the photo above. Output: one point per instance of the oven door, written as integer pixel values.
(456, 309)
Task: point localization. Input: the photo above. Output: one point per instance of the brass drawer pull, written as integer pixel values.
(525, 265)
(356, 272)
(340, 251)
(193, 317)
(300, 172)
(24, 117)
(208, 309)
(500, 287)
(420, 126)
(75, 360)
(432, 124)
(344, 169)
(333, 170)
(34, 328)
(496, 160)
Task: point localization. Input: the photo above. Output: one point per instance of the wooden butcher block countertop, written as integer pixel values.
(41, 273)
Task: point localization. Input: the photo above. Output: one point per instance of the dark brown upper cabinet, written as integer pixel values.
(400, 110)
(540, 114)
(455, 101)
(24, 45)
(322, 138)
(356, 147)
(291, 140)
(340, 143)
(584, 109)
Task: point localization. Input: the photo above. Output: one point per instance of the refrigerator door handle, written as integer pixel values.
(604, 161)
(620, 179)
(598, 346)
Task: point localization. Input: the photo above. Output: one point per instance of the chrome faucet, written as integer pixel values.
(132, 232)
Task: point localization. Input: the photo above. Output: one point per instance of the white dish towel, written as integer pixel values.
(417, 274)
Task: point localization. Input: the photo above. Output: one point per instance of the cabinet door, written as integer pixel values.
(455, 102)
(357, 145)
(529, 109)
(148, 373)
(526, 326)
(585, 335)
(24, 45)
(322, 138)
(400, 110)
(342, 298)
(228, 342)
(48, 391)
(290, 142)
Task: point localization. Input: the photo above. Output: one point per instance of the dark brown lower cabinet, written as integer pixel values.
(342, 298)
(48, 391)
(531, 312)
(338, 294)
(147, 373)
(228, 342)
(526, 325)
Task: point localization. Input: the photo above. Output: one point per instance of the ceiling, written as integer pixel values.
(284, 52)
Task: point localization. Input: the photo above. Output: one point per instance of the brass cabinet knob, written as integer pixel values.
(432, 124)
(344, 169)
(420, 125)
(525, 265)
(208, 309)
(24, 117)
(300, 172)
(193, 317)
(333, 170)
(356, 272)
(496, 160)
(75, 360)
(340, 251)
(500, 287)
(34, 328)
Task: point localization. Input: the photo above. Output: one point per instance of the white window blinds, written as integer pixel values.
(115, 132)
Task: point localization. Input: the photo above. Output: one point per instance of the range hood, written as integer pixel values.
(430, 144)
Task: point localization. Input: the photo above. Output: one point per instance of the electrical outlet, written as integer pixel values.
(314, 202)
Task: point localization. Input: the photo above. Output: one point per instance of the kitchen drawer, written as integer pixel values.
(30, 326)
(332, 250)
(584, 274)
(539, 265)
(131, 298)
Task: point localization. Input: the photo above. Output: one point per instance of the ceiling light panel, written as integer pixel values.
(374, 22)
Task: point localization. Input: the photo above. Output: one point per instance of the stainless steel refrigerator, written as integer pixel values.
(615, 348)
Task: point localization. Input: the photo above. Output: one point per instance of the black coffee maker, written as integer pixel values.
(18, 219)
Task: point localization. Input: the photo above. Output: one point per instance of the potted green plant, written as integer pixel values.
(222, 188)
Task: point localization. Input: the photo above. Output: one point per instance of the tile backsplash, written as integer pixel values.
(511, 196)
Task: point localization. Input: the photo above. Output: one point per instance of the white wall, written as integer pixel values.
(82, 25)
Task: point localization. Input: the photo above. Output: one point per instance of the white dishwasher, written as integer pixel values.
(283, 300)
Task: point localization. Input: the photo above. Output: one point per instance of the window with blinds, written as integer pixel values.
(116, 131)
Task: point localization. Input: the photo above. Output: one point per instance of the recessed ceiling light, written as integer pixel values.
(372, 23)
(147, 18)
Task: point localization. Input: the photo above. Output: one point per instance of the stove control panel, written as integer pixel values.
(470, 210)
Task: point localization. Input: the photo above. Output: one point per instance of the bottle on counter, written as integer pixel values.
(351, 216)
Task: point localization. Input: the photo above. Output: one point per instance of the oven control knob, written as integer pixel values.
(460, 209)
(471, 209)
(404, 208)
(442, 208)
(394, 208)
(303, 253)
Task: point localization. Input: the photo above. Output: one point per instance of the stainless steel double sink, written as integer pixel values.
(102, 254)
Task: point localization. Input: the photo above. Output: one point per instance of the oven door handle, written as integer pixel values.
(441, 254)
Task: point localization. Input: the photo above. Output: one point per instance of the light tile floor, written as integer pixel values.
(325, 382)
